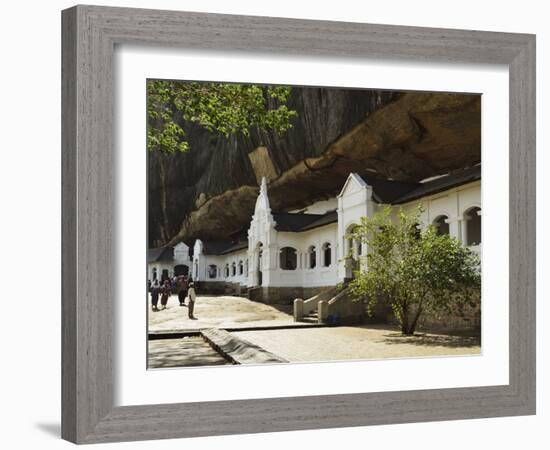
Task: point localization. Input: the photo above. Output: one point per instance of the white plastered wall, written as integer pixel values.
(354, 202)
(453, 203)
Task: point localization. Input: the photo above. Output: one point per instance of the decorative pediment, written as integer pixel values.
(181, 252)
(354, 183)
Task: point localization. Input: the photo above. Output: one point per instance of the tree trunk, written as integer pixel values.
(412, 326)
(404, 319)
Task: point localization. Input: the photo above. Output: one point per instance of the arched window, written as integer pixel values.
(311, 257)
(233, 269)
(226, 274)
(472, 218)
(240, 267)
(441, 225)
(288, 258)
(155, 275)
(212, 271)
(181, 269)
(327, 255)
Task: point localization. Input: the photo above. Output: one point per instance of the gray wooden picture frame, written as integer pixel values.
(90, 34)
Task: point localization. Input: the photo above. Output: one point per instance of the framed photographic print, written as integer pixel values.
(300, 224)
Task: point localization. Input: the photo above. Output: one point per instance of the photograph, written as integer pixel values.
(297, 224)
(271, 225)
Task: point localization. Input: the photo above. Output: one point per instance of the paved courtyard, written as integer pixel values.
(220, 312)
(301, 343)
(359, 342)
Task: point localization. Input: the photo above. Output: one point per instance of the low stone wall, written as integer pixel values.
(458, 319)
(283, 295)
(341, 310)
(218, 288)
(381, 314)
(469, 318)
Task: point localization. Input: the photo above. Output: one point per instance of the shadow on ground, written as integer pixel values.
(186, 352)
(441, 339)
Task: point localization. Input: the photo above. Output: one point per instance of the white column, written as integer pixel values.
(317, 255)
(455, 227)
(464, 229)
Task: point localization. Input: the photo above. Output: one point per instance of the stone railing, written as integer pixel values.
(340, 309)
(304, 307)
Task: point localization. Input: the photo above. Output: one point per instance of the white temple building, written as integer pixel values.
(302, 256)
(297, 254)
(165, 262)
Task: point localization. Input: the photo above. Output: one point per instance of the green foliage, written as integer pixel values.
(222, 107)
(413, 270)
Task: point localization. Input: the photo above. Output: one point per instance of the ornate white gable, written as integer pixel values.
(181, 253)
(354, 183)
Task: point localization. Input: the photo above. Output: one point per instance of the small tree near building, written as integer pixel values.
(414, 271)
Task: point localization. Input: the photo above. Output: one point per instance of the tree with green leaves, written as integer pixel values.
(414, 270)
(222, 107)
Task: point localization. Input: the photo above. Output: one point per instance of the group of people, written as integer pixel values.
(183, 286)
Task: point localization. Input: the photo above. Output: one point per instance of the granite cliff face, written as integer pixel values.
(210, 191)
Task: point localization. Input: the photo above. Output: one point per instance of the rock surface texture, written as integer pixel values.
(210, 191)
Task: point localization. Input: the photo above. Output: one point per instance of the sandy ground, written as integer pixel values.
(359, 342)
(220, 312)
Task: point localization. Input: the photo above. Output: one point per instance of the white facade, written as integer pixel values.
(169, 266)
(181, 254)
(455, 206)
(323, 255)
(265, 245)
(231, 267)
(354, 201)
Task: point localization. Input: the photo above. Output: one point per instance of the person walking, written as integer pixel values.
(174, 283)
(192, 298)
(155, 291)
(182, 287)
(165, 294)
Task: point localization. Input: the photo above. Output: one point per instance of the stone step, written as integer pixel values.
(309, 319)
(238, 350)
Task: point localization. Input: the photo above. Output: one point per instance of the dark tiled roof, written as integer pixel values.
(160, 254)
(330, 217)
(441, 184)
(302, 222)
(398, 192)
(387, 191)
(236, 246)
(222, 247)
